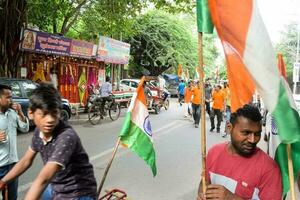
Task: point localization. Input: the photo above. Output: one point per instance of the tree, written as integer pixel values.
(56, 16)
(162, 42)
(12, 16)
(288, 47)
(112, 18)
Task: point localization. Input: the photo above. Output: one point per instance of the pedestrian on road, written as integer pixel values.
(196, 104)
(227, 107)
(105, 92)
(238, 169)
(218, 99)
(11, 119)
(187, 99)
(208, 91)
(67, 172)
(181, 92)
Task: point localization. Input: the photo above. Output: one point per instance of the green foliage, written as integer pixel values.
(162, 41)
(56, 16)
(287, 46)
(112, 18)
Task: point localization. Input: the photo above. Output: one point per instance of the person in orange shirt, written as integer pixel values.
(218, 98)
(196, 102)
(187, 99)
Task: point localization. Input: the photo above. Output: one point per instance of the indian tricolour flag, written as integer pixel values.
(251, 64)
(136, 133)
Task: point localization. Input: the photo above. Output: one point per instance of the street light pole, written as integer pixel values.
(297, 55)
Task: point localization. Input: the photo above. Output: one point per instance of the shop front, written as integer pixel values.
(69, 64)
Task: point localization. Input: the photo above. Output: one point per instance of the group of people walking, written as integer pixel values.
(217, 103)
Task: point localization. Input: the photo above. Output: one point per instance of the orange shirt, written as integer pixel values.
(196, 95)
(187, 95)
(218, 99)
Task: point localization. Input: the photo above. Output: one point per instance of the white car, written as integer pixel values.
(132, 84)
(129, 84)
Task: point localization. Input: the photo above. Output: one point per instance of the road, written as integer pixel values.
(177, 146)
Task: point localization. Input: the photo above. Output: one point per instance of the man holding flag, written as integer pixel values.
(238, 169)
(250, 59)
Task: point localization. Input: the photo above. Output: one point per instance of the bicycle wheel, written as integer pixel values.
(94, 114)
(114, 111)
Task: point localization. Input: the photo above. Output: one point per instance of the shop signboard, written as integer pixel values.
(112, 51)
(81, 49)
(45, 43)
(101, 76)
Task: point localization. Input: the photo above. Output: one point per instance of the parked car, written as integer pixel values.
(129, 84)
(132, 84)
(21, 91)
(297, 101)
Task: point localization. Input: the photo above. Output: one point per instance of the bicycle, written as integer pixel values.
(94, 109)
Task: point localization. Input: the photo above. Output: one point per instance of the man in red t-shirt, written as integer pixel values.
(238, 169)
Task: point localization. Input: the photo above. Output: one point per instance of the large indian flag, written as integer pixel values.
(277, 149)
(251, 64)
(136, 133)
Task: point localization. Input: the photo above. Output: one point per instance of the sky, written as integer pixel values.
(277, 13)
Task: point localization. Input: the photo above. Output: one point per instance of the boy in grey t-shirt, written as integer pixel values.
(66, 164)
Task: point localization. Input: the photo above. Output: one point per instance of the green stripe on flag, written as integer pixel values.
(281, 159)
(204, 22)
(286, 118)
(135, 138)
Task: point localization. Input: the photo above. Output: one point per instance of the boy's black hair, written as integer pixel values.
(46, 98)
(4, 87)
(248, 111)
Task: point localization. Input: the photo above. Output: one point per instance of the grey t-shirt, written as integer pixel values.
(77, 176)
(208, 90)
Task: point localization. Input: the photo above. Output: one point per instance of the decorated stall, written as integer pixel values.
(68, 63)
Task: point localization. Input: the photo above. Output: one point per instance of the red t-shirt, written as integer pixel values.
(256, 177)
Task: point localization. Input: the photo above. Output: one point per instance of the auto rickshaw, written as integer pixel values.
(158, 96)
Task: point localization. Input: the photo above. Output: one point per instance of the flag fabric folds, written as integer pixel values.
(136, 132)
(179, 71)
(204, 22)
(251, 64)
(277, 149)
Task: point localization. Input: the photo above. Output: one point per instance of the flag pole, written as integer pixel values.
(203, 130)
(291, 172)
(108, 166)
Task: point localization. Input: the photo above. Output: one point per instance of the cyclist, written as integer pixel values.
(105, 92)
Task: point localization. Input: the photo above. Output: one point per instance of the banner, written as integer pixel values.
(113, 51)
(45, 43)
(41, 42)
(81, 48)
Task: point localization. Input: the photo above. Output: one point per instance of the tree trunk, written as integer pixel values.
(12, 17)
(74, 13)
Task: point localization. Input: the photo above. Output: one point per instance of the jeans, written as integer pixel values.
(228, 113)
(12, 186)
(48, 195)
(196, 112)
(207, 107)
(213, 113)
